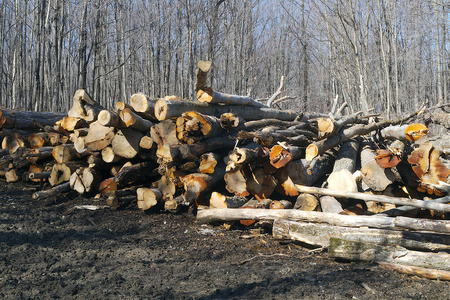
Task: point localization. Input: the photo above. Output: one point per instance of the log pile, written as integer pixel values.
(362, 187)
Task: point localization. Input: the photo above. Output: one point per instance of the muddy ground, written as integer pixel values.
(51, 251)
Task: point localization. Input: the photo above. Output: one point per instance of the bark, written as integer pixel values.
(378, 198)
(320, 234)
(355, 250)
(234, 214)
(27, 120)
(417, 271)
(56, 190)
(209, 96)
(173, 109)
(130, 119)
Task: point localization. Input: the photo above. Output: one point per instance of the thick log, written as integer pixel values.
(197, 183)
(84, 107)
(145, 106)
(417, 271)
(61, 172)
(236, 183)
(234, 214)
(321, 146)
(148, 198)
(378, 198)
(167, 187)
(167, 109)
(260, 184)
(269, 138)
(208, 162)
(110, 119)
(146, 142)
(64, 153)
(320, 234)
(218, 200)
(54, 138)
(281, 154)
(69, 124)
(13, 142)
(28, 120)
(56, 190)
(109, 156)
(193, 127)
(405, 132)
(37, 140)
(126, 142)
(99, 136)
(329, 204)
(130, 119)
(136, 173)
(164, 134)
(230, 121)
(203, 67)
(209, 96)
(374, 176)
(85, 180)
(307, 202)
(346, 249)
(221, 142)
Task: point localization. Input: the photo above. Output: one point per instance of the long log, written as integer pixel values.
(417, 271)
(168, 109)
(346, 249)
(28, 120)
(56, 190)
(234, 214)
(377, 198)
(320, 234)
(209, 96)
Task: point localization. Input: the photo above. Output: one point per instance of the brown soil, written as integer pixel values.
(50, 250)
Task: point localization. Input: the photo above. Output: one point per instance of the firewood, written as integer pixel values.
(148, 198)
(410, 132)
(84, 107)
(99, 136)
(130, 119)
(13, 142)
(321, 146)
(175, 205)
(61, 172)
(319, 235)
(280, 204)
(193, 127)
(229, 121)
(126, 142)
(109, 156)
(79, 144)
(110, 119)
(417, 271)
(374, 176)
(270, 138)
(37, 140)
(167, 187)
(56, 190)
(122, 105)
(189, 152)
(203, 68)
(208, 162)
(329, 204)
(234, 214)
(27, 120)
(117, 198)
(69, 124)
(54, 138)
(307, 202)
(142, 104)
(38, 176)
(146, 142)
(260, 184)
(209, 96)
(196, 183)
(167, 109)
(281, 154)
(355, 250)
(136, 173)
(218, 200)
(379, 198)
(12, 176)
(342, 180)
(85, 180)
(236, 183)
(64, 153)
(428, 167)
(164, 134)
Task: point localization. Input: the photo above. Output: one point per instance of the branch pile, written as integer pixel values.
(363, 188)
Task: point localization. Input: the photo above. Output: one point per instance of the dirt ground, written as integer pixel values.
(49, 250)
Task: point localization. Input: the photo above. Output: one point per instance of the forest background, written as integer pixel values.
(386, 55)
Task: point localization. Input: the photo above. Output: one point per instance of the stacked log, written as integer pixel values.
(230, 152)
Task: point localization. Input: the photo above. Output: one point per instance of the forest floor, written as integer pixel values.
(51, 250)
